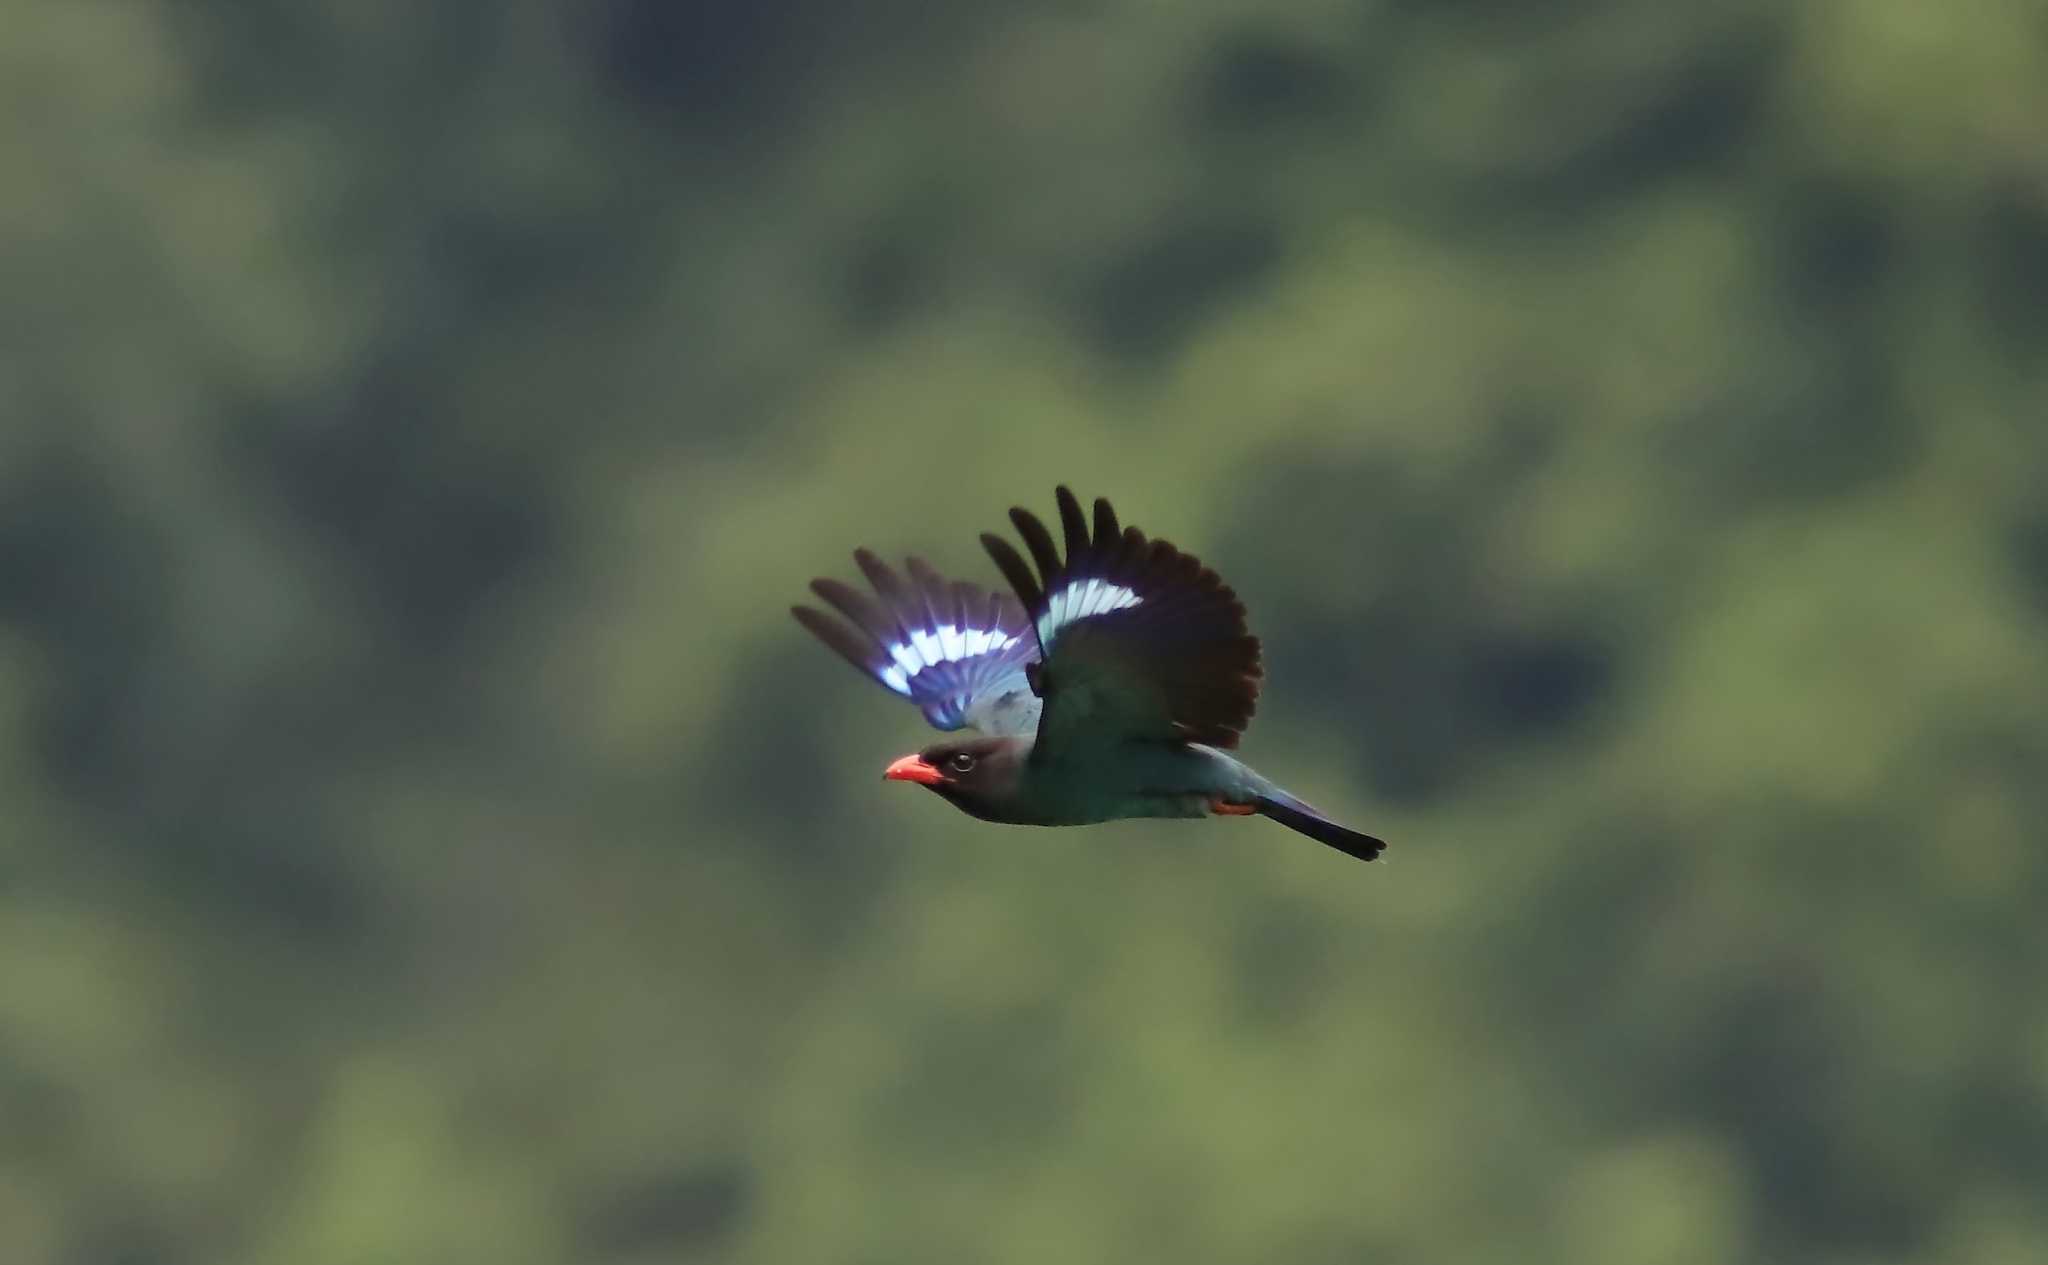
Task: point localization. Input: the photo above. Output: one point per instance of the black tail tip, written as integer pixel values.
(1323, 830)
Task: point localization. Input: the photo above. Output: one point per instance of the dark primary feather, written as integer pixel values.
(1074, 526)
(1039, 541)
(891, 588)
(1022, 582)
(1140, 640)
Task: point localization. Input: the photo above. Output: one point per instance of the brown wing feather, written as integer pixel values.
(1176, 664)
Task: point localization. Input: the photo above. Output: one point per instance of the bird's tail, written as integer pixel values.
(1295, 815)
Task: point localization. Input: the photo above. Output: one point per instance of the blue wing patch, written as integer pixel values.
(945, 668)
(941, 645)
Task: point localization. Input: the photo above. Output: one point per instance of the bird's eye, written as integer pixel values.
(961, 763)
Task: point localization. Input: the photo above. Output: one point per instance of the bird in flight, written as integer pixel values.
(1113, 684)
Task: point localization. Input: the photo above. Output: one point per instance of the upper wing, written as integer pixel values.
(944, 646)
(1140, 641)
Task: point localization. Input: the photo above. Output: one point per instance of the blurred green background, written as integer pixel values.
(428, 839)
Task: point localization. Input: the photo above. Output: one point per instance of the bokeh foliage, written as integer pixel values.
(428, 839)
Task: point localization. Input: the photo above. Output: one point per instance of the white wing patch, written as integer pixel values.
(949, 643)
(1079, 600)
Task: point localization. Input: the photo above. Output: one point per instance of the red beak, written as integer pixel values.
(912, 768)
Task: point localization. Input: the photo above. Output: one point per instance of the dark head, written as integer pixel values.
(979, 776)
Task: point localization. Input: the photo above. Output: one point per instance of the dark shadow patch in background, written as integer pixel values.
(1255, 79)
(2012, 266)
(1145, 301)
(692, 1210)
(1416, 655)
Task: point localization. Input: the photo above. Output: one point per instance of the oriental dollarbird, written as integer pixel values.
(1113, 685)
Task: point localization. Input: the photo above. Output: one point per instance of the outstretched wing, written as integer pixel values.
(945, 646)
(1140, 641)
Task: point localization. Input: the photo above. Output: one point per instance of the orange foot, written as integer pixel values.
(1223, 808)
